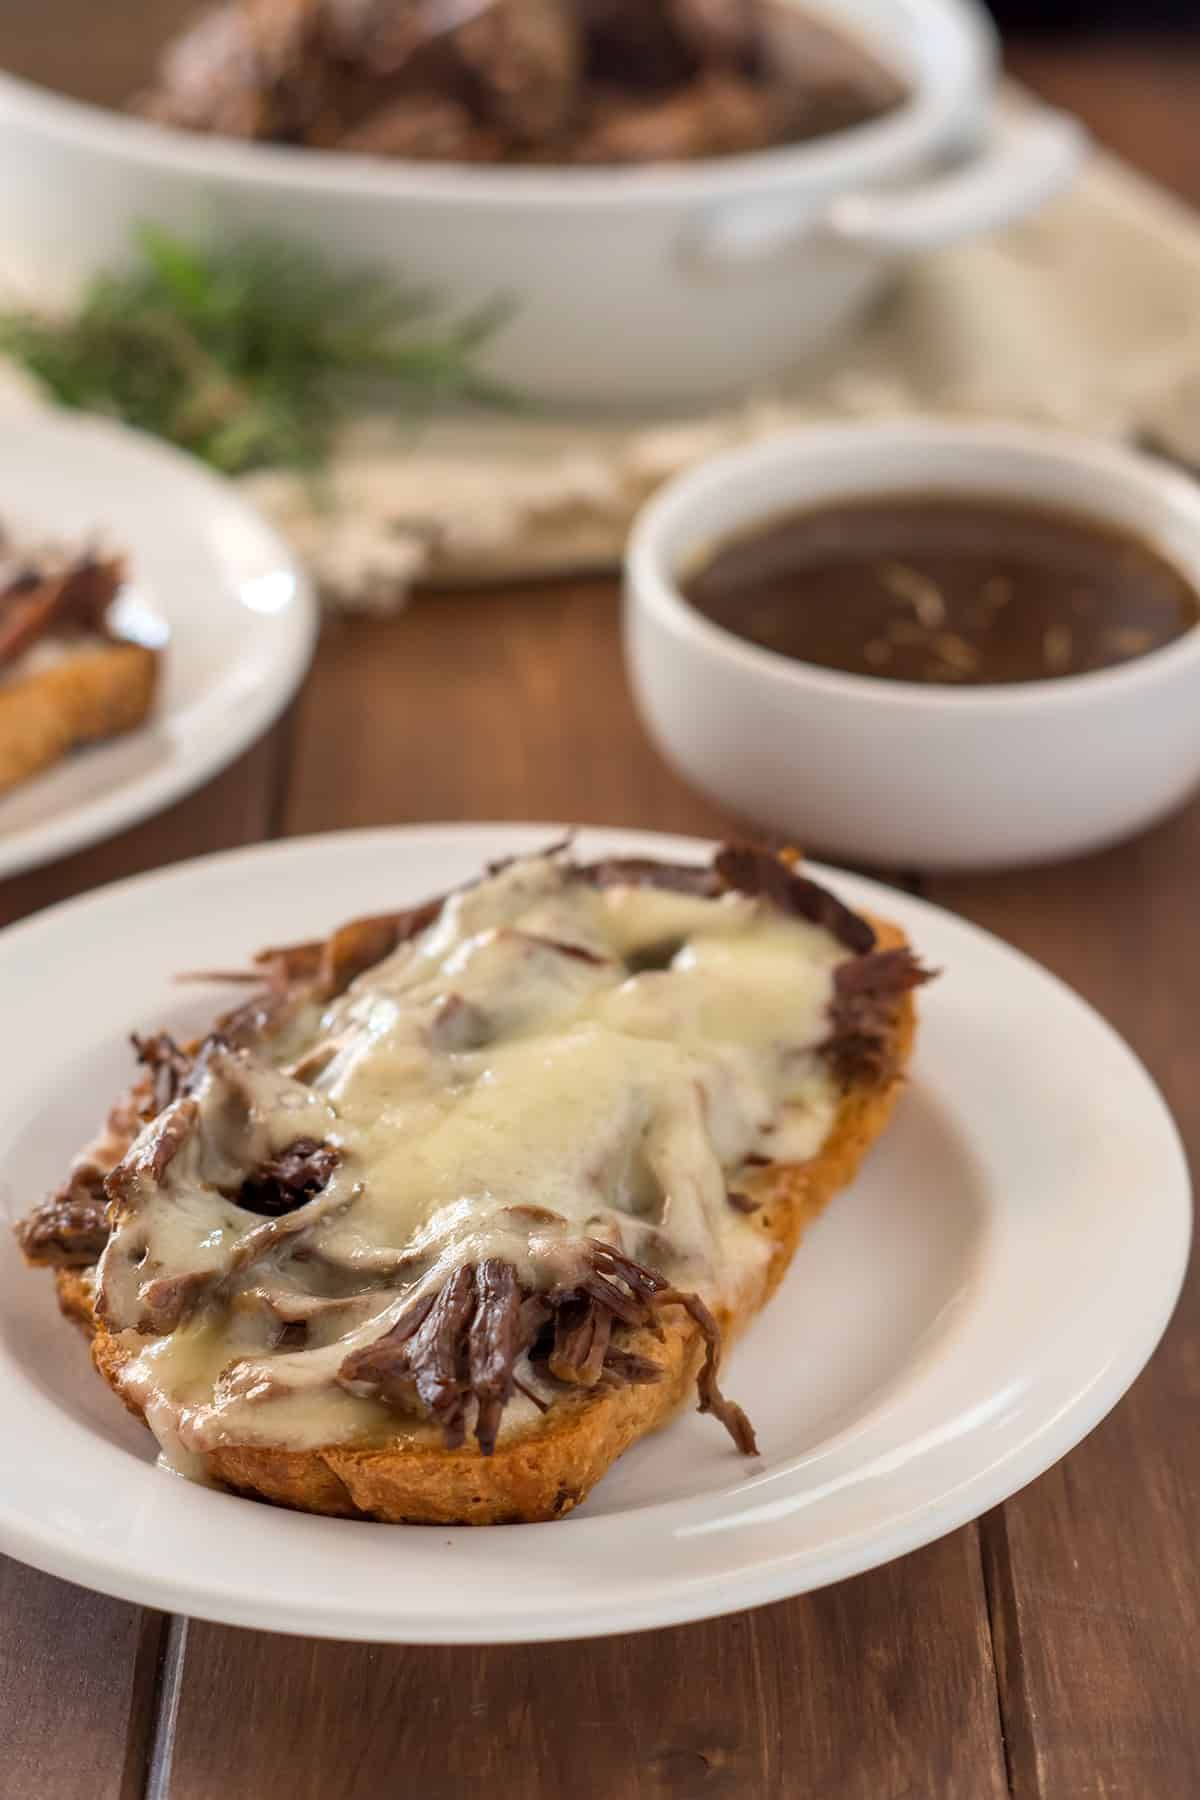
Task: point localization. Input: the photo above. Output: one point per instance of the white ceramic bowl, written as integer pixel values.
(898, 773)
(650, 286)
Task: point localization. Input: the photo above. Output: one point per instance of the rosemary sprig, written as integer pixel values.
(250, 355)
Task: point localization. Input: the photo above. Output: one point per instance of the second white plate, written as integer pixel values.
(208, 579)
(952, 1325)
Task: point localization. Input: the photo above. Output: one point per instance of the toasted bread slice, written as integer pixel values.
(101, 692)
(543, 1470)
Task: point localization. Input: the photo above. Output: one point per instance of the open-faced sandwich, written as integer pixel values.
(67, 678)
(464, 1200)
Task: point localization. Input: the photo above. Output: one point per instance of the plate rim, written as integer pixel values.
(1035, 1452)
(104, 815)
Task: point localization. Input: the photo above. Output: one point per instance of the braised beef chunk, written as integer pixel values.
(464, 1344)
(717, 114)
(866, 993)
(525, 56)
(288, 1180)
(633, 45)
(421, 128)
(719, 31)
(70, 1229)
(518, 80)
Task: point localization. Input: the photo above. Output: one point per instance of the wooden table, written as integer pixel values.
(1051, 1649)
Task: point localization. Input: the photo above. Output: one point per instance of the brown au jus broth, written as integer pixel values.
(958, 590)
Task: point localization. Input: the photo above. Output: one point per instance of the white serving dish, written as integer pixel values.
(997, 1276)
(898, 773)
(209, 581)
(653, 286)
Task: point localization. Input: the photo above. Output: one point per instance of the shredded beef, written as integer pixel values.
(75, 600)
(331, 964)
(624, 1367)
(555, 848)
(582, 1329)
(464, 1344)
(445, 1348)
(169, 1066)
(578, 952)
(712, 1399)
(288, 1180)
(867, 991)
(167, 1301)
(742, 1203)
(285, 964)
(494, 1344)
(424, 1366)
(742, 869)
(70, 1229)
(757, 872)
(644, 871)
(365, 942)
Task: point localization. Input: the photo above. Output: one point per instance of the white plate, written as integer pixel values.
(206, 574)
(987, 1291)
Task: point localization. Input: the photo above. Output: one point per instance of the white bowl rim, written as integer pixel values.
(841, 160)
(651, 583)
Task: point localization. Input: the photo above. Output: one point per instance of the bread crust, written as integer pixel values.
(100, 693)
(544, 1470)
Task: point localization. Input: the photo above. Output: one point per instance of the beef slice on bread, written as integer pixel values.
(67, 679)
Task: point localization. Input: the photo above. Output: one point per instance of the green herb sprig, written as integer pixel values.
(252, 354)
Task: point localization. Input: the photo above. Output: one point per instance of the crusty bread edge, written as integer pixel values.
(101, 693)
(545, 1471)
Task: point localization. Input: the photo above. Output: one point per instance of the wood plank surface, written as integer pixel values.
(78, 1690)
(79, 1673)
(814, 1697)
(1137, 95)
(1093, 1571)
(505, 703)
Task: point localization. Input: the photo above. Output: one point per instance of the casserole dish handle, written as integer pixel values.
(1026, 159)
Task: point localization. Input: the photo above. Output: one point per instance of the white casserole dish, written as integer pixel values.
(661, 285)
(897, 773)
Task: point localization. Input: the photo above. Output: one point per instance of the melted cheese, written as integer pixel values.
(547, 1061)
